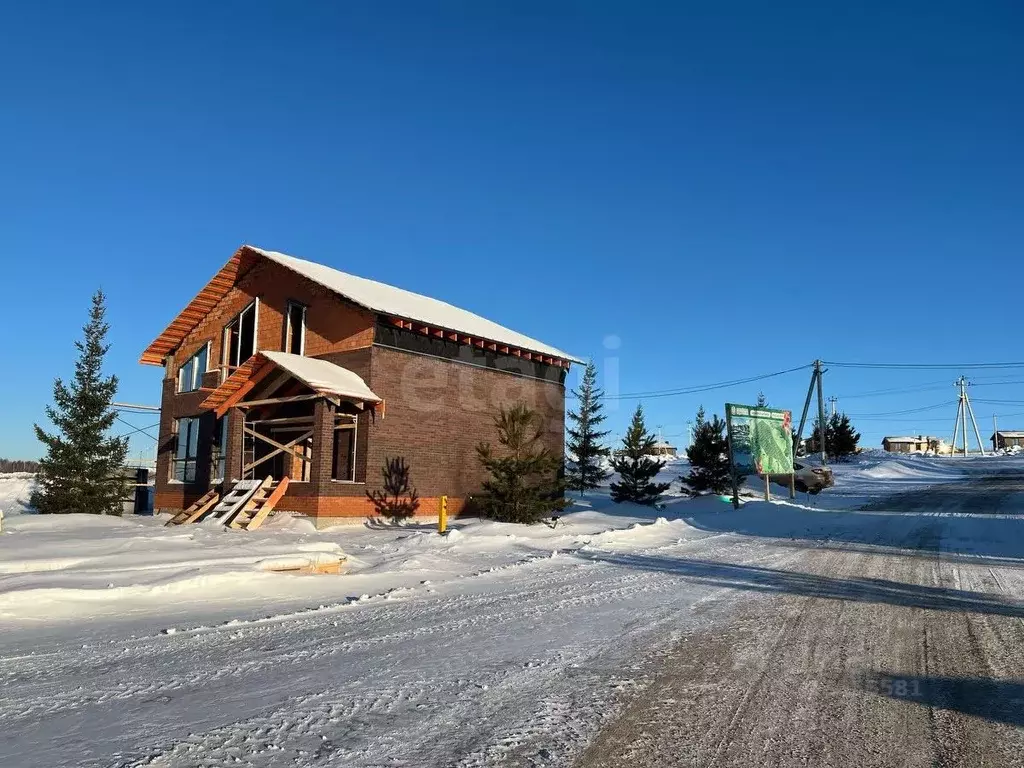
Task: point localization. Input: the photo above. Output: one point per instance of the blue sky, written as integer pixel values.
(726, 188)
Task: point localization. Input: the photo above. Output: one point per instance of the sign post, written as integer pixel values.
(761, 441)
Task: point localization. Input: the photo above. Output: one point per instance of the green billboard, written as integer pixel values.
(760, 439)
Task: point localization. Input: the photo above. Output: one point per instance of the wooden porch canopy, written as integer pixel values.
(322, 376)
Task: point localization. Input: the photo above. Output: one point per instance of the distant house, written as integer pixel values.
(1006, 439)
(663, 448)
(920, 443)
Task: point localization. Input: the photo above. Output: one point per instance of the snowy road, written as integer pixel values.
(773, 635)
(511, 666)
(857, 654)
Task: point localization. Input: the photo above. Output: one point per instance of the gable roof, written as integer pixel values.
(321, 376)
(370, 294)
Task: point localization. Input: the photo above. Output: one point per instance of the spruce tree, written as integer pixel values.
(636, 466)
(524, 486)
(709, 457)
(584, 470)
(762, 401)
(841, 438)
(82, 469)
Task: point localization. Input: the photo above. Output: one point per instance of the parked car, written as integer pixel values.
(813, 479)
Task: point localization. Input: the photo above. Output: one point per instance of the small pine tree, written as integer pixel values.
(709, 457)
(524, 486)
(814, 441)
(762, 401)
(398, 499)
(636, 466)
(82, 469)
(584, 470)
(840, 436)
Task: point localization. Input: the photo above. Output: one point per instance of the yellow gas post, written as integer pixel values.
(442, 518)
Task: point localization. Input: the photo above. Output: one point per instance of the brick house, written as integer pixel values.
(284, 367)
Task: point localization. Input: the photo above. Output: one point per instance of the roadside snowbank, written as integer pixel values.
(67, 567)
(15, 490)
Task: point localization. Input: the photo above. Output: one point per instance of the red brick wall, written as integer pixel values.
(331, 323)
(437, 411)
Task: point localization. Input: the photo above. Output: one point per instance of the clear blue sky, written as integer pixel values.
(728, 188)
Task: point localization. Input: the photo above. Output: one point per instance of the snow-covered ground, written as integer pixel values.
(123, 642)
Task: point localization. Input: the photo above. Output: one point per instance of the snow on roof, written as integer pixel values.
(323, 376)
(387, 299)
(1010, 433)
(921, 439)
(663, 444)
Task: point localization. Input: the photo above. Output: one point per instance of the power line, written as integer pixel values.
(923, 366)
(906, 410)
(138, 429)
(930, 386)
(703, 387)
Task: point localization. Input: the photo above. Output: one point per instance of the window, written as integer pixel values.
(343, 464)
(218, 463)
(240, 337)
(184, 464)
(190, 375)
(295, 329)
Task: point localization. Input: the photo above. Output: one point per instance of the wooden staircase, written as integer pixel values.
(260, 505)
(245, 506)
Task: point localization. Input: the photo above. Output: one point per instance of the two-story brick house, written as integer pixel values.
(284, 367)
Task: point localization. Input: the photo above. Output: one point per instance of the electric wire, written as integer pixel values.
(702, 387)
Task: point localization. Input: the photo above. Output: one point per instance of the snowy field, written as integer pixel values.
(126, 643)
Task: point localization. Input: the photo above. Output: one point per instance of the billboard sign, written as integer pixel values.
(760, 440)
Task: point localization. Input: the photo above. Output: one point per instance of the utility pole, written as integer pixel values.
(821, 414)
(807, 404)
(995, 434)
(963, 410)
(833, 400)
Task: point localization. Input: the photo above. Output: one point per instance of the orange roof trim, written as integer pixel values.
(197, 309)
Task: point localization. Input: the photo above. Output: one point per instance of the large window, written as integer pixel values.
(295, 329)
(240, 337)
(184, 464)
(190, 375)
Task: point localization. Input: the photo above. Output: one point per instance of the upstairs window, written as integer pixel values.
(183, 467)
(295, 329)
(240, 338)
(190, 375)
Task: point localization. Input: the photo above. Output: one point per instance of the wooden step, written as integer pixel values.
(257, 516)
(235, 499)
(199, 508)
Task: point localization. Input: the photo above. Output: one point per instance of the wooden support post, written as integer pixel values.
(792, 485)
(767, 487)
